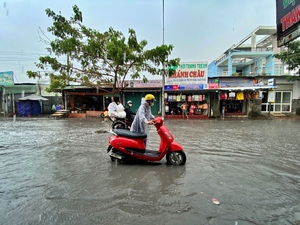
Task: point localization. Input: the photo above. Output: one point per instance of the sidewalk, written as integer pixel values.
(272, 116)
(275, 116)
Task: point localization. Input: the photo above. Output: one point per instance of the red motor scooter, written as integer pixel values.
(128, 146)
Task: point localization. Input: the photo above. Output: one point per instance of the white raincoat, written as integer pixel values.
(115, 110)
(120, 111)
(142, 116)
(112, 107)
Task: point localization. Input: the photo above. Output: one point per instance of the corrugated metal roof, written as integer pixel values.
(17, 89)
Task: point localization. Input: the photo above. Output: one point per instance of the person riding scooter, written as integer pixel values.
(112, 108)
(120, 111)
(144, 117)
(129, 114)
(127, 146)
(116, 110)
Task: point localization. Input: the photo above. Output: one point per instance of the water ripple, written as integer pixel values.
(58, 172)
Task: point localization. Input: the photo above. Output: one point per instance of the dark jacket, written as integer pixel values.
(129, 113)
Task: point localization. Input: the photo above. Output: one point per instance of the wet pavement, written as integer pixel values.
(58, 172)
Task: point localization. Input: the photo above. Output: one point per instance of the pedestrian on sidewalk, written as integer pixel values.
(184, 110)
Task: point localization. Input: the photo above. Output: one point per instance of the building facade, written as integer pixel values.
(253, 58)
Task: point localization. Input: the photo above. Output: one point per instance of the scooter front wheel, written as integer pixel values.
(176, 158)
(119, 125)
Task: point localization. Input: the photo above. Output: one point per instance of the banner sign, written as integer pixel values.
(287, 17)
(7, 78)
(189, 73)
(213, 85)
(168, 87)
(235, 82)
(271, 82)
(185, 87)
(271, 96)
(142, 84)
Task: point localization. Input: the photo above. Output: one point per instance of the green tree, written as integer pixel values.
(291, 57)
(97, 59)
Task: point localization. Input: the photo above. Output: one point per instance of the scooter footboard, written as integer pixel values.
(175, 146)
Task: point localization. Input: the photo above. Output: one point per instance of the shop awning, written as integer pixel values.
(245, 88)
(253, 88)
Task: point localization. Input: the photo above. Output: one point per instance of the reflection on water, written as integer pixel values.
(58, 172)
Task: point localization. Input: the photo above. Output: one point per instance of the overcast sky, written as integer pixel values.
(198, 29)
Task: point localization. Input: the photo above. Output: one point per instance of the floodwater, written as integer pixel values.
(58, 172)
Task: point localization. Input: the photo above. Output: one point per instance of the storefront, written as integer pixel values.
(188, 84)
(137, 89)
(10, 94)
(236, 101)
(197, 100)
(215, 97)
(84, 101)
(237, 96)
(285, 94)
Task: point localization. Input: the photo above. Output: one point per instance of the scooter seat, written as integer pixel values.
(129, 134)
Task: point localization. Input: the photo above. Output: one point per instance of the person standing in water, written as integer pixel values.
(144, 117)
(184, 110)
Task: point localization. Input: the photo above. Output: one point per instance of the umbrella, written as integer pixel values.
(34, 97)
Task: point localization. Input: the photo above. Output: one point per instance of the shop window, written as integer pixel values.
(196, 104)
(286, 97)
(286, 108)
(277, 97)
(282, 103)
(277, 108)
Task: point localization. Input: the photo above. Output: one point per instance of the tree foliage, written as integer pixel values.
(291, 57)
(97, 59)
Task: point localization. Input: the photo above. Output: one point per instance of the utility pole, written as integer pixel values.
(164, 69)
(63, 96)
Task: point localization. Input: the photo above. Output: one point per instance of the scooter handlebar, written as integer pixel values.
(157, 121)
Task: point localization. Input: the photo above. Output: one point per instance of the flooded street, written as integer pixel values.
(58, 172)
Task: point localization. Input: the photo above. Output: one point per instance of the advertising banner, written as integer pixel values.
(141, 84)
(287, 17)
(6, 78)
(189, 73)
(271, 82)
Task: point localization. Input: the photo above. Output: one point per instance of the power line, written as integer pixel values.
(22, 53)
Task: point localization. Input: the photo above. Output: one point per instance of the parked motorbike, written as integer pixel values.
(117, 123)
(121, 123)
(128, 146)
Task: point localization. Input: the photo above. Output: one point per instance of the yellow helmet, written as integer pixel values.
(149, 97)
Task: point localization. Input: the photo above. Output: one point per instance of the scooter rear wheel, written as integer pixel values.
(176, 158)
